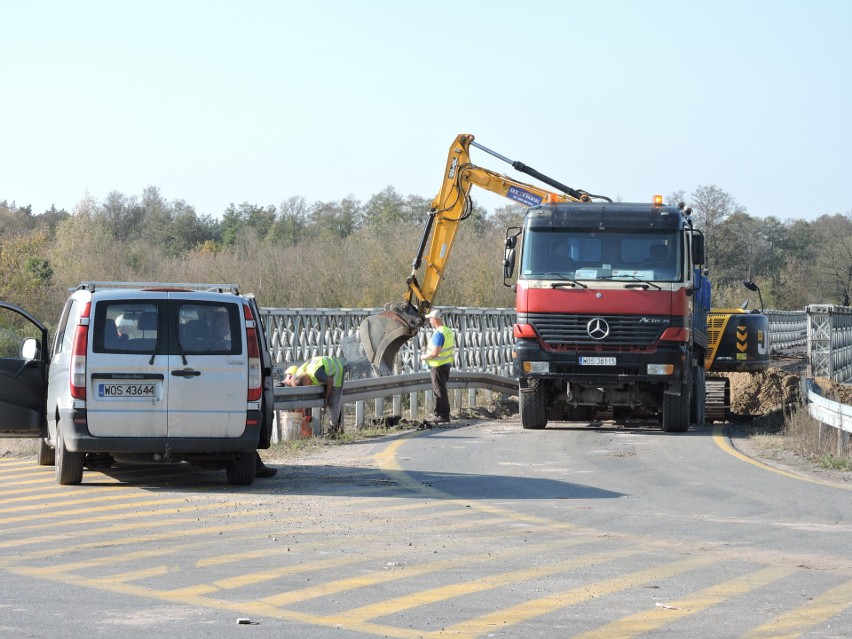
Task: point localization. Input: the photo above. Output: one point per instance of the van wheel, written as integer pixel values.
(46, 454)
(240, 472)
(69, 466)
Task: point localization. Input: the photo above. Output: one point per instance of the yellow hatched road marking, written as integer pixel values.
(99, 509)
(122, 515)
(17, 461)
(443, 593)
(92, 532)
(819, 609)
(105, 560)
(133, 575)
(175, 534)
(267, 575)
(654, 618)
(67, 502)
(32, 494)
(537, 607)
(372, 579)
(10, 474)
(243, 608)
(35, 484)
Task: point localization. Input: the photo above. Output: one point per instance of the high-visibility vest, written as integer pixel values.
(448, 351)
(333, 368)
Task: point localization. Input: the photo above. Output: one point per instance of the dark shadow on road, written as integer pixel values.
(346, 481)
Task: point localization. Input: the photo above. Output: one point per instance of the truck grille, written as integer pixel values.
(558, 330)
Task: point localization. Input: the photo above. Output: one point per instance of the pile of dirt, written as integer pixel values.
(841, 393)
(499, 409)
(763, 392)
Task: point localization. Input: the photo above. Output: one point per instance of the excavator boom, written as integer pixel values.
(384, 334)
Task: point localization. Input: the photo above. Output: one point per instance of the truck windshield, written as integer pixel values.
(606, 255)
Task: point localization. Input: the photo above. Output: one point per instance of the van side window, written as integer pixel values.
(59, 341)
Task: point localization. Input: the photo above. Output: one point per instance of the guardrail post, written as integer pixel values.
(414, 403)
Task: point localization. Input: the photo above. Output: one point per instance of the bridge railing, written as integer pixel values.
(483, 336)
(830, 341)
(787, 329)
(483, 345)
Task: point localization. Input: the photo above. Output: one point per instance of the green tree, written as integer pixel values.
(291, 224)
(710, 207)
(833, 263)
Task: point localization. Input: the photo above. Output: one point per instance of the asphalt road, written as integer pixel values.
(484, 530)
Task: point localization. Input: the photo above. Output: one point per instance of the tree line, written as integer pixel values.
(354, 254)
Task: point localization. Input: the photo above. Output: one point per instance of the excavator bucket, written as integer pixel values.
(384, 334)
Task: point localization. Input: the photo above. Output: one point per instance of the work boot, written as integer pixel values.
(263, 471)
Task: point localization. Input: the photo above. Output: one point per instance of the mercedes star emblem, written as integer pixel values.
(597, 328)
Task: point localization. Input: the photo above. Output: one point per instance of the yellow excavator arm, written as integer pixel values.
(453, 204)
(382, 335)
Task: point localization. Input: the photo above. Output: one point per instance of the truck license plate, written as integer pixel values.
(126, 390)
(597, 361)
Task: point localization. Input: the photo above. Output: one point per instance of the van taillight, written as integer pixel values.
(255, 389)
(78, 355)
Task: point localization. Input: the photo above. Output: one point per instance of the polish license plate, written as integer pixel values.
(110, 390)
(597, 361)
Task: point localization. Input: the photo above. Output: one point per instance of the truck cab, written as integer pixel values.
(605, 313)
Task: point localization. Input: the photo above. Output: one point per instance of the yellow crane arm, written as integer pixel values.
(383, 334)
(453, 204)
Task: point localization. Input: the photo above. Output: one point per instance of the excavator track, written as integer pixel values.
(718, 399)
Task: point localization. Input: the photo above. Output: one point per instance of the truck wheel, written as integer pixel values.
(698, 403)
(240, 472)
(533, 405)
(69, 466)
(676, 410)
(46, 455)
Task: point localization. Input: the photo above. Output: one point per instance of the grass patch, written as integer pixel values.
(796, 432)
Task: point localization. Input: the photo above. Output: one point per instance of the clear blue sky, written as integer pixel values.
(219, 102)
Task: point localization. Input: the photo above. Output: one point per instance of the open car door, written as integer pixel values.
(23, 373)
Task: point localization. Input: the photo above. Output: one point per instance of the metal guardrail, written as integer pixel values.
(484, 341)
(294, 398)
(830, 414)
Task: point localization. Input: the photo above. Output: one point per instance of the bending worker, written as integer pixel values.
(328, 372)
(440, 357)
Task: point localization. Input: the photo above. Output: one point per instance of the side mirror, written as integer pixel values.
(512, 234)
(754, 287)
(30, 348)
(698, 249)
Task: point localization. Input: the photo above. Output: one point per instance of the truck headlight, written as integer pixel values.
(660, 369)
(536, 367)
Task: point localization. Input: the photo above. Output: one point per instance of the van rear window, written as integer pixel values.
(126, 327)
(170, 327)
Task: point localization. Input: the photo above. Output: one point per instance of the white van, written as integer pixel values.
(145, 371)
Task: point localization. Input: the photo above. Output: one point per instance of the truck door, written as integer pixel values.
(23, 372)
(207, 367)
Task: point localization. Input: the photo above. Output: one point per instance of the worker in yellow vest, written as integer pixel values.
(327, 372)
(439, 357)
